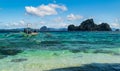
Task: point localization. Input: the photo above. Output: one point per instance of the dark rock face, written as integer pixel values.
(44, 28)
(104, 27)
(89, 25)
(117, 30)
(72, 28)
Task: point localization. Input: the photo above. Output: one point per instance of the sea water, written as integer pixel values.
(63, 41)
(50, 50)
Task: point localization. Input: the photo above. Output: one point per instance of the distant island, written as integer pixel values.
(45, 28)
(89, 25)
(42, 29)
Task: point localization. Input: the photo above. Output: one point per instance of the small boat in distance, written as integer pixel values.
(29, 31)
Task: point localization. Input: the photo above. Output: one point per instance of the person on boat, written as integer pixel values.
(28, 30)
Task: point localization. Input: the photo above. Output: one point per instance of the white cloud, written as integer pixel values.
(115, 25)
(7, 25)
(22, 22)
(59, 25)
(42, 22)
(58, 20)
(72, 17)
(14, 24)
(19, 24)
(62, 25)
(45, 10)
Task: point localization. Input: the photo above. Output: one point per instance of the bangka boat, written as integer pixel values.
(29, 31)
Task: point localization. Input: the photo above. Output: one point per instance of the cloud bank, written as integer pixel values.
(45, 10)
(115, 25)
(72, 17)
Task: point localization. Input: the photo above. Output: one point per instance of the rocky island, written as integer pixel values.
(89, 25)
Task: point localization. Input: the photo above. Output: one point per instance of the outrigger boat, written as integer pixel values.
(29, 32)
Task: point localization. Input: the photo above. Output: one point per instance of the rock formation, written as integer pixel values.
(89, 25)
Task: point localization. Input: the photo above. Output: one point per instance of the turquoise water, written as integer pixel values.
(87, 42)
(52, 50)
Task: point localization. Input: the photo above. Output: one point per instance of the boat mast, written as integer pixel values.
(27, 28)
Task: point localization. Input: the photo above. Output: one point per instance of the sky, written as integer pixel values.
(57, 13)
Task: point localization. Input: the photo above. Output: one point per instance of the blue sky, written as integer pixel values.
(57, 13)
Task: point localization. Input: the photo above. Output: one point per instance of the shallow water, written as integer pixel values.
(63, 41)
(51, 50)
